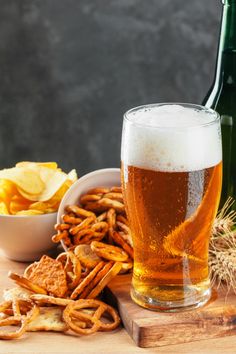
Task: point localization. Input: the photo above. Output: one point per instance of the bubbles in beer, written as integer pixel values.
(171, 138)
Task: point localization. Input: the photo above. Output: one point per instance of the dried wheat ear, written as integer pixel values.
(222, 249)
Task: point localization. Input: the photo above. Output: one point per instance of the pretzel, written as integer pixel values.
(23, 320)
(98, 190)
(116, 189)
(25, 283)
(122, 219)
(77, 239)
(61, 227)
(102, 217)
(78, 290)
(94, 320)
(89, 198)
(111, 219)
(96, 280)
(112, 253)
(61, 235)
(5, 305)
(79, 211)
(46, 299)
(86, 222)
(105, 280)
(104, 204)
(120, 241)
(70, 219)
(115, 196)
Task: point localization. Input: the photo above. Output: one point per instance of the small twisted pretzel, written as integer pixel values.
(69, 219)
(61, 235)
(79, 211)
(115, 196)
(116, 189)
(93, 320)
(21, 320)
(85, 223)
(86, 198)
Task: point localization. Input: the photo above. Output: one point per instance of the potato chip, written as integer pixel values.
(24, 178)
(7, 190)
(53, 181)
(3, 209)
(72, 175)
(52, 165)
(18, 203)
(35, 186)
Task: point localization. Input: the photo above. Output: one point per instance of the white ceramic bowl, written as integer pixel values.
(107, 177)
(26, 238)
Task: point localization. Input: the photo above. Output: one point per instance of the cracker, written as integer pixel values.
(49, 319)
(50, 275)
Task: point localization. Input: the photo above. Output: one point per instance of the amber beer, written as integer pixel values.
(171, 201)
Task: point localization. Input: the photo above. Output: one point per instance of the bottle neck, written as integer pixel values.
(226, 63)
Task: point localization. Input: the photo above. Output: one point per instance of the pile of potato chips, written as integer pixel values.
(33, 188)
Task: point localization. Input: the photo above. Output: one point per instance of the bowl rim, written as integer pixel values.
(75, 186)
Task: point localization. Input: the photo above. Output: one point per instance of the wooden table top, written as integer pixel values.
(115, 342)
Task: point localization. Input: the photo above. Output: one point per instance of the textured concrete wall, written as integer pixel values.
(70, 68)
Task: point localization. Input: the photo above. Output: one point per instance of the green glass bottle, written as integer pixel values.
(222, 97)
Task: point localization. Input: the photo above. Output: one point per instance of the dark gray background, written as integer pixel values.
(70, 68)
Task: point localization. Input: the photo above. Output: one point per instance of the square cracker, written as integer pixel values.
(50, 275)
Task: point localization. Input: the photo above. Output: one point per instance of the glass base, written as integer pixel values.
(173, 298)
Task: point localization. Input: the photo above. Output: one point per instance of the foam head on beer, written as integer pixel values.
(171, 138)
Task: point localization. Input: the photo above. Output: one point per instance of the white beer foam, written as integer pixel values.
(171, 138)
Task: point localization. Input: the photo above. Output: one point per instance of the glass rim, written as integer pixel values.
(215, 115)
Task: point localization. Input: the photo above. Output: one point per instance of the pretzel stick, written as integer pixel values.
(25, 283)
(78, 290)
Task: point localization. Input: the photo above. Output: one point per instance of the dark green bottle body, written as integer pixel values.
(222, 98)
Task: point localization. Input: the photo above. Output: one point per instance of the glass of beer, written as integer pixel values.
(171, 161)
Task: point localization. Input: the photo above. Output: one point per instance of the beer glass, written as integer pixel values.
(171, 162)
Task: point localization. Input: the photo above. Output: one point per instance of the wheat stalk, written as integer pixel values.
(222, 249)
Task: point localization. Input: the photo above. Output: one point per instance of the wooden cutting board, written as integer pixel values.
(150, 329)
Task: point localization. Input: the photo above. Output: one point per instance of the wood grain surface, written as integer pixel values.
(116, 342)
(150, 328)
